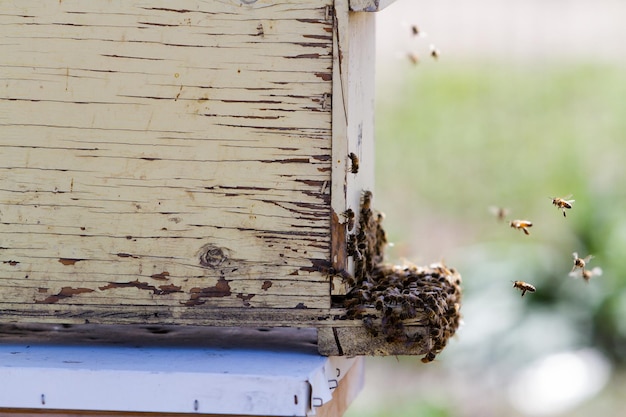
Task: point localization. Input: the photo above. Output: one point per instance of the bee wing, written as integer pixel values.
(597, 271)
(575, 255)
(575, 274)
(588, 258)
(498, 211)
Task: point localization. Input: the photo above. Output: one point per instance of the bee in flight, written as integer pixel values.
(434, 52)
(588, 274)
(524, 286)
(562, 203)
(522, 225)
(499, 212)
(580, 262)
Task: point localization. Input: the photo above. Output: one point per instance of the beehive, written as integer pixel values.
(184, 163)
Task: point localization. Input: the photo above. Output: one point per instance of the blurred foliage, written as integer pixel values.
(468, 136)
(453, 139)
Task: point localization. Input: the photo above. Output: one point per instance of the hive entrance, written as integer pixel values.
(413, 309)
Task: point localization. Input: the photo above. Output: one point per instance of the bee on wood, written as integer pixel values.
(379, 304)
(522, 225)
(366, 200)
(368, 322)
(349, 215)
(430, 356)
(355, 162)
(580, 262)
(524, 286)
(434, 52)
(499, 212)
(562, 203)
(353, 248)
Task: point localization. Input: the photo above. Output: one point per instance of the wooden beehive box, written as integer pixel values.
(184, 162)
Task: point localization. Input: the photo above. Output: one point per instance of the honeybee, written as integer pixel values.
(366, 200)
(580, 262)
(429, 357)
(524, 286)
(355, 162)
(434, 52)
(413, 57)
(562, 203)
(588, 274)
(522, 225)
(499, 212)
(415, 30)
(349, 215)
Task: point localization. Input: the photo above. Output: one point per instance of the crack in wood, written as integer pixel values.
(70, 261)
(161, 290)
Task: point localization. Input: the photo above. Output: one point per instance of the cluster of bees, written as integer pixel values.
(418, 307)
(413, 56)
(580, 264)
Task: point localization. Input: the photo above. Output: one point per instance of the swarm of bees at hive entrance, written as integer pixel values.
(412, 306)
(563, 204)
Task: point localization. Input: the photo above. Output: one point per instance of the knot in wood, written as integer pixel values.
(212, 256)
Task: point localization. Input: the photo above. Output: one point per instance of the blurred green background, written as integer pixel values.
(490, 128)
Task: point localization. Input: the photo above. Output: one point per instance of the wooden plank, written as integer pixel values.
(369, 5)
(353, 126)
(170, 160)
(340, 166)
(195, 164)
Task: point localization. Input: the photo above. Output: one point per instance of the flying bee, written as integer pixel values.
(588, 274)
(524, 286)
(434, 52)
(562, 203)
(595, 272)
(499, 212)
(413, 57)
(349, 215)
(355, 162)
(580, 262)
(415, 30)
(522, 225)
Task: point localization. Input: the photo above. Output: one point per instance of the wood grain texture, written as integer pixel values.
(164, 161)
(369, 5)
(353, 126)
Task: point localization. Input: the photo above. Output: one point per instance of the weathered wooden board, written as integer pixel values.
(192, 163)
(162, 158)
